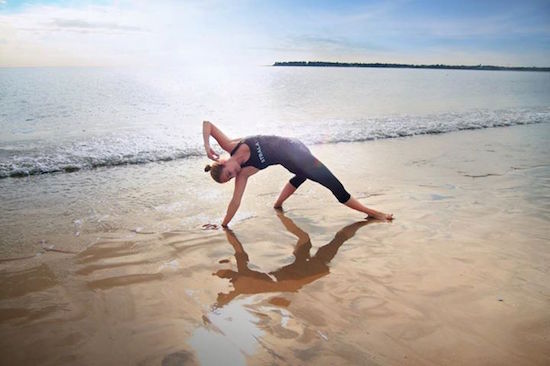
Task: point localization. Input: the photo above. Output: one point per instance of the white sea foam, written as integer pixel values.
(116, 150)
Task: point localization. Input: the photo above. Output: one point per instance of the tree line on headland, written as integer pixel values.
(409, 66)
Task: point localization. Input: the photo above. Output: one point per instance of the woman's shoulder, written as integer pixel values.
(238, 143)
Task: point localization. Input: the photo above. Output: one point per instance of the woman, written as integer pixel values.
(254, 153)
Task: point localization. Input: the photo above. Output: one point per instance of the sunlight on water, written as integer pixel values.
(79, 118)
(229, 334)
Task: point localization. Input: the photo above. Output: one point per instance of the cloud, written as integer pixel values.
(85, 35)
(83, 24)
(334, 43)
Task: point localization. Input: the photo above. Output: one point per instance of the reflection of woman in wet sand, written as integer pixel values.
(290, 278)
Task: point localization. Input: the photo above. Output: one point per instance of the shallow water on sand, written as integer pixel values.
(460, 277)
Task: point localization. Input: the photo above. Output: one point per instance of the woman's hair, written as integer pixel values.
(215, 171)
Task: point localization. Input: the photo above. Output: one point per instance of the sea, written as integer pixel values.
(81, 148)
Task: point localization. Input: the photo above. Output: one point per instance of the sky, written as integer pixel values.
(260, 32)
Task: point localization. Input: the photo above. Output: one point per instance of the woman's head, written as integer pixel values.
(223, 171)
(215, 171)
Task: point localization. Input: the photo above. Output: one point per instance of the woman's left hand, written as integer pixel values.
(214, 227)
(210, 227)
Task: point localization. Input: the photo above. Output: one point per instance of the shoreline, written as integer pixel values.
(72, 168)
(38, 196)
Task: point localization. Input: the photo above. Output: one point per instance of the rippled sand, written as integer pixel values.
(460, 277)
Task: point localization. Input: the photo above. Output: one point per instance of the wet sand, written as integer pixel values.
(460, 277)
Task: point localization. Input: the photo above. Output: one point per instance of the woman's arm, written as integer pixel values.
(240, 185)
(209, 129)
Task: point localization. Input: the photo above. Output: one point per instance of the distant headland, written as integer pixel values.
(409, 66)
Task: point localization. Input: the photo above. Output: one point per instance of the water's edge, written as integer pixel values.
(111, 151)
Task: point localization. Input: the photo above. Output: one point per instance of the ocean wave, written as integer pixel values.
(110, 151)
(406, 126)
(96, 153)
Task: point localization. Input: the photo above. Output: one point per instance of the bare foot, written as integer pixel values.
(382, 216)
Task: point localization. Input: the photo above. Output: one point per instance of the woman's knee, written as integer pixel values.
(297, 181)
(342, 195)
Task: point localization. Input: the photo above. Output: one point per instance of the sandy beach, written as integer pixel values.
(114, 248)
(460, 277)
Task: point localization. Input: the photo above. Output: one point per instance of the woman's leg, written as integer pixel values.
(319, 173)
(288, 190)
(356, 205)
(285, 193)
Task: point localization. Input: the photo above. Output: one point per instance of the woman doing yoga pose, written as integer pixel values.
(254, 153)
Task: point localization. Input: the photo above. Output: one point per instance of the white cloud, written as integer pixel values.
(140, 33)
(50, 35)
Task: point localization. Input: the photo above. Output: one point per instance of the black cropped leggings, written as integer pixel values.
(311, 168)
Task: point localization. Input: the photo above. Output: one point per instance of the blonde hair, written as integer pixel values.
(215, 171)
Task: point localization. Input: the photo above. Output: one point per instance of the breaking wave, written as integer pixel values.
(125, 150)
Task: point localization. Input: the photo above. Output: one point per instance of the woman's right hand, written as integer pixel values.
(206, 130)
(212, 154)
